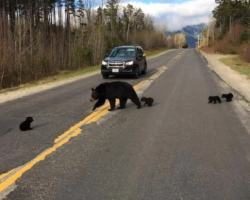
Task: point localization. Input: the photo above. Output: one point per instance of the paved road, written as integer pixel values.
(54, 111)
(181, 148)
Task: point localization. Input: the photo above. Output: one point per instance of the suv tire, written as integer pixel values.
(137, 72)
(145, 68)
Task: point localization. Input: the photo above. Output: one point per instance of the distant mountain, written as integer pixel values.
(191, 33)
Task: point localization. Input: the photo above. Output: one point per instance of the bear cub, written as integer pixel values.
(148, 101)
(114, 90)
(214, 99)
(228, 97)
(25, 125)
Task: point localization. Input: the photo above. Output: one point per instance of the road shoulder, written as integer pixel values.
(237, 81)
(22, 92)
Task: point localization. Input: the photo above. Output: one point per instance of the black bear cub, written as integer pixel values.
(25, 125)
(228, 96)
(148, 101)
(214, 99)
(114, 90)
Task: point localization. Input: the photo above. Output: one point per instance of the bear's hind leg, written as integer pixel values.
(123, 103)
(112, 104)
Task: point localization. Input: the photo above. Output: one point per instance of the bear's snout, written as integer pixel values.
(92, 99)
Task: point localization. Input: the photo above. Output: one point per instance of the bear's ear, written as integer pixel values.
(92, 89)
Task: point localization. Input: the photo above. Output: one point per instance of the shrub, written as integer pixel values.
(245, 52)
(231, 41)
(245, 36)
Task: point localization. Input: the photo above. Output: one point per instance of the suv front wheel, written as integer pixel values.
(136, 75)
(144, 69)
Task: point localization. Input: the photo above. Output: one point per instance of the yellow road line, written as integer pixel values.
(157, 73)
(96, 112)
(178, 55)
(74, 131)
(5, 174)
(10, 180)
(99, 113)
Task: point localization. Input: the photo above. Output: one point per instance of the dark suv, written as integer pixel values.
(129, 60)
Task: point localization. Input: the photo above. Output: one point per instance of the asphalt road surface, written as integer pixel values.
(181, 148)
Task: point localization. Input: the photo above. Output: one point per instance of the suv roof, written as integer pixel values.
(129, 46)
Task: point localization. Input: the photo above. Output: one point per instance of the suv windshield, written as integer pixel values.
(123, 52)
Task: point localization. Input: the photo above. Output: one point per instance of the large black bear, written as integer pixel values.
(114, 90)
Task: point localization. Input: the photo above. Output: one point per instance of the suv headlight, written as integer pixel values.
(104, 62)
(129, 63)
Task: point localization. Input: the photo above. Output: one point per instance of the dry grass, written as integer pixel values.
(61, 76)
(229, 44)
(237, 64)
(245, 52)
(69, 74)
(155, 52)
(209, 50)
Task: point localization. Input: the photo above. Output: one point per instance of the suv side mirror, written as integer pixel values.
(106, 55)
(139, 55)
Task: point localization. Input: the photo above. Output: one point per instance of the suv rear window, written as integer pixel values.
(123, 52)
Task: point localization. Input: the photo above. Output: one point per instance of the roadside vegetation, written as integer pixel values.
(63, 75)
(228, 32)
(40, 39)
(238, 64)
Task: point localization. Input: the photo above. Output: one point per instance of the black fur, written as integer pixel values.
(148, 101)
(114, 90)
(228, 97)
(25, 125)
(214, 99)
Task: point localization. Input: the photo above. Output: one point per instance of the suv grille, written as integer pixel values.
(116, 64)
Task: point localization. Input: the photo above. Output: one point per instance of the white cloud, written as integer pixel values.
(177, 15)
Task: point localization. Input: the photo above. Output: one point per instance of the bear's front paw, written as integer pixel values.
(111, 109)
(94, 108)
(121, 107)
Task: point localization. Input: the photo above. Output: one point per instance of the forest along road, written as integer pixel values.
(180, 148)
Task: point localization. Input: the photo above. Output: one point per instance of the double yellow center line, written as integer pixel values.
(10, 177)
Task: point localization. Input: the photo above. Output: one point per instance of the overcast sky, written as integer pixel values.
(176, 14)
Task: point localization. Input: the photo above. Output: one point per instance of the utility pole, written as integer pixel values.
(208, 31)
(208, 36)
(198, 40)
